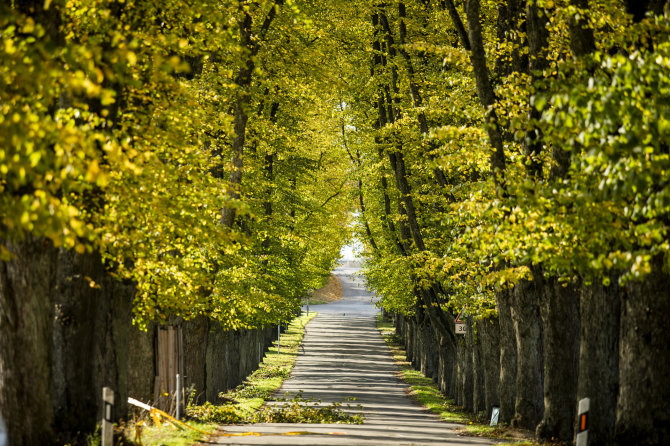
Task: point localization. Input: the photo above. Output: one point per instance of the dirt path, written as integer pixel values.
(345, 357)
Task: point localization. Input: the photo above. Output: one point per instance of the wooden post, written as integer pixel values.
(107, 416)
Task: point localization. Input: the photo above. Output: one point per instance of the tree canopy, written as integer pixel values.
(213, 151)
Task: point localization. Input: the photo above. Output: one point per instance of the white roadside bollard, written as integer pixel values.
(107, 416)
(495, 413)
(3, 433)
(583, 422)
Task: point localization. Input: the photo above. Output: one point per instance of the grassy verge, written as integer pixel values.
(240, 404)
(426, 393)
(249, 396)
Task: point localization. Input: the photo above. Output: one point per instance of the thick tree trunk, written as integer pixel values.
(600, 309)
(141, 352)
(26, 323)
(489, 337)
(428, 349)
(525, 312)
(460, 371)
(508, 356)
(409, 338)
(466, 378)
(196, 341)
(216, 362)
(478, 391)
(560, 326)
(417, 343)
(92, 326)
(643, 413)
(232, 355)
(26, 306)
(453, 383)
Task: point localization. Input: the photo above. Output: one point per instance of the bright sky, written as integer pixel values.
(351, 251)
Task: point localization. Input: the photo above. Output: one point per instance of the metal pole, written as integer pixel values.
(178, 397)
(107, 416)
(278, 336)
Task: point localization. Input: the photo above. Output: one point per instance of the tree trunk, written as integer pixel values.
(232, 357)
(217, 362)
(466, 376)
(478, 393)
(409, 338)
(26, 323)
(525, 312)
(428, 348)
(26, 306)
(417, 343)
(250, 44)
(196, 341)
(508, 356)
(92, 326)
(582, 41)
(241, 116)
(538, 36)
(643, 413)
(141, 351)
(560, 323)
(486, 93)
(447, 358)
(489, 337)
(460, 371)
(600, 308)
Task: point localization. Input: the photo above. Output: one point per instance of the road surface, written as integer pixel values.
(345, 357)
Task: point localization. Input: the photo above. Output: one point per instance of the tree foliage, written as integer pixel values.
(121, 126)
(604, 113)
(117, 131)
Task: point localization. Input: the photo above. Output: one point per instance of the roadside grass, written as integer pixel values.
(168, 435)
(425, 392)
(239, 404)
(258, 387)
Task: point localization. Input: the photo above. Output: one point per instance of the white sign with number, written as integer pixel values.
(460, 328)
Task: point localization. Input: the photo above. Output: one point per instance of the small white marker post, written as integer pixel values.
(495, 413)
(178, 398)
(107, 416)
(583, 422)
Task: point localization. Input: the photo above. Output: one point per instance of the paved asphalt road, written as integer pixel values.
(345, 357)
